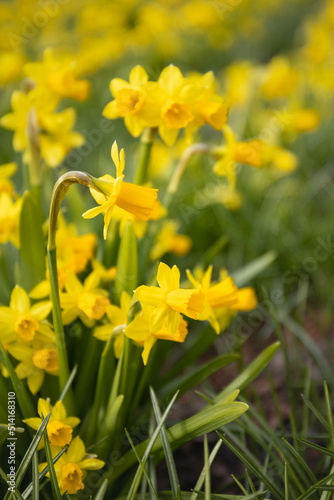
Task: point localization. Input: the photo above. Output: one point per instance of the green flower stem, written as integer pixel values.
(64, 371)
(197, 148)
(60, 189)
(146, 142)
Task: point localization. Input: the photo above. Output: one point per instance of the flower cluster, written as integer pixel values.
(170, 104)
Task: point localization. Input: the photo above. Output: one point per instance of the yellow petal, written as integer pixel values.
(91, 464)
(35, 381)
(34, 423)
(149, 343)
(150, 295)
(138, 75)
(76, 451)
(43, 407)
(158, 317)
(41, 310)
(19, 300)
(111, 111)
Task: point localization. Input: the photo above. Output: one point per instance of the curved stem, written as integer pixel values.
(146, 142)
(60, 189)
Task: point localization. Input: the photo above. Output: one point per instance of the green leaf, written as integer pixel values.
(32, 244)
(251, 372)
(197, 375)
(253, 268)
(111, 417)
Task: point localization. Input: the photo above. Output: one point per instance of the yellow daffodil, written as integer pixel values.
(139, 330)
(133, 102)
(207, 106)
(176, 112)
(169, 241)
(59, 137)
(21, 321)
(239, 81)
(60, 426)
(223, 295)
(118, 317)
(280, 78)
(9, 219)
(35, 359)
(250, 153)
(107, 274)
(136, 200)
(17, 120)
(303, 120)
(59, 75)
(72, 465)
(86, 301)
(6, 171)
(169, 300)
(12, 64)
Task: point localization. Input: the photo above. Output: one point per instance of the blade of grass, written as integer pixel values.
(53, 476)
(148, 479)
(35, 478)
(102, 490)
(201, 477)
(254, 465)
(29, 454)
(286, 482)
(207, 481)
(304, 467)
(68, 383)
(29, 489)
(172, 472)
(149, 448)
(316, 412)
(329, 416)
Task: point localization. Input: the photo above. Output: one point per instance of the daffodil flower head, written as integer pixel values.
(59, 427)
(137, 200)
(224, 295)
(21, 321)
(139, 330)
(169, 300)
(72, 465)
